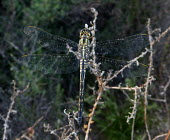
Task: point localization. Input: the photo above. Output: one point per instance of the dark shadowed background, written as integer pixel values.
(50, 94)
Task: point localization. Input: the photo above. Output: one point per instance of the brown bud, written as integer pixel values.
(30, 132)
(85, 126)
(91, 122)
(90, 115)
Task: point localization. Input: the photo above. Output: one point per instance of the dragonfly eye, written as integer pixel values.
(88, 34)
(85, 33)
(81, 33)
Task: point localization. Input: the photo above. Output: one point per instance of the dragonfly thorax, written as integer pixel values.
(84, 43)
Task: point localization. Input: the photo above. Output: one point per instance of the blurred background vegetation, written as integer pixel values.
(50, 94)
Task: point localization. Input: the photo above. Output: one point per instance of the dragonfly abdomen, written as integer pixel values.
(83, 66)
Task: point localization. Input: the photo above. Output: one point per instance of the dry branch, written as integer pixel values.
(16, 92)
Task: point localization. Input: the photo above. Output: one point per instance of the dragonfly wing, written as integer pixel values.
(125, 49)
(135, 70)
(49, 41)
(59, 64)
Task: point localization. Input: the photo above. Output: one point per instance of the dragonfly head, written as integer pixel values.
(85, 33)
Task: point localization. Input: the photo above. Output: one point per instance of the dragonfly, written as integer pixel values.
(54, 56)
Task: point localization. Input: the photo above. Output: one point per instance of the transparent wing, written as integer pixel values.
(125, 49)
(59, 64)
(136, 70)
(49, 41)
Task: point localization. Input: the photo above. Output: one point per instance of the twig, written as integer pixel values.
(16, 92)
(168, 136)
(99, 93)
(157, 100)
(148, 78)
(159, 136)
(125, 88)
(134, 108)
(160, 36)
(165, 98)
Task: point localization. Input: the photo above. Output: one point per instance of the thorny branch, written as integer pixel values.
(148, 77)
(68, 132)
(16, 92)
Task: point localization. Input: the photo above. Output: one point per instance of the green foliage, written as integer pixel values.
(110, 117)
(25, 76)
(43, 10)
(130, 82)
(47, 10)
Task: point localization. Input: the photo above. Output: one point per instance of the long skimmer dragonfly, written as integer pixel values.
(56, 58)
